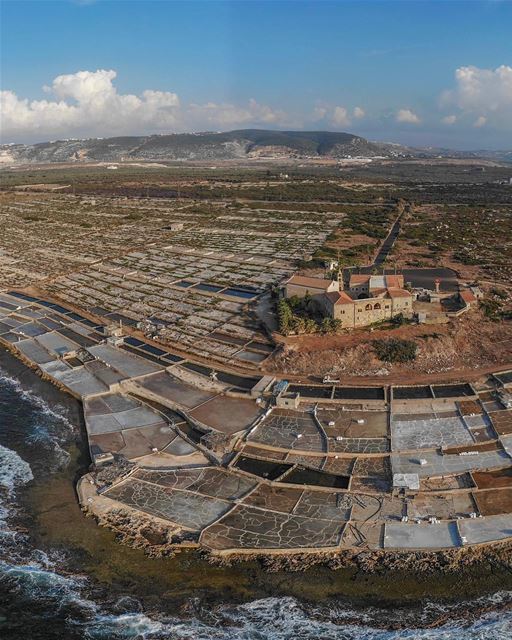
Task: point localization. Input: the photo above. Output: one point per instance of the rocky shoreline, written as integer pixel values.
(320, 592)
(140, 532)
(157, 539)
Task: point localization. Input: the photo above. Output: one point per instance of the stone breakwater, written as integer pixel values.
(156, 539)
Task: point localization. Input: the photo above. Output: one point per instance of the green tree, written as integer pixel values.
(326, 325)
(294, 302)
(310, 325)
(298, 324)
(398, 319)
(285, 317)
(337, 325)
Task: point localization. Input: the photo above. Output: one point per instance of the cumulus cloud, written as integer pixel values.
(449, 119)
(481, 121)
(230, 114)
(337, 116)
(87, 103)
(340, 117)
(483, 93)
(319, 113)
(407, 116)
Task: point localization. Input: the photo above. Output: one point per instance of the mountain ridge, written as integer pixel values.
(229, 145)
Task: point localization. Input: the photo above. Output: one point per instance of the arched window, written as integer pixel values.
(368, 307)
(377, 306)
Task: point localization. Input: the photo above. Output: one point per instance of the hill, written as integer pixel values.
(244, 143)
(231, 145)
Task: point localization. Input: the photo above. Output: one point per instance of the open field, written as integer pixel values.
(463, 237)
(150, 295)
(191, 249)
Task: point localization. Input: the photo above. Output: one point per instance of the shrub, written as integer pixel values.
(395, 350)
(398, 319)
(326, 325)
(285, 317)
(296, 315)
(499, 293)
(493, 310)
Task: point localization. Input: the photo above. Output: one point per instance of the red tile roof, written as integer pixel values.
(339, 297)
(359, 278)
(467, 296)
(395, 282)
(399, 293)
(313, 283)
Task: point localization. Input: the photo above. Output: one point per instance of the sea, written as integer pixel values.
(63, 577)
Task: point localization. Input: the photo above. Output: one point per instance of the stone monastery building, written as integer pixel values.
(367, 299)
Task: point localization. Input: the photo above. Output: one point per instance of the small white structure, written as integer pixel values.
(288, 400)
(477, 292)
(506, 398)
(409, 481)
(114, 330)
(103, 459)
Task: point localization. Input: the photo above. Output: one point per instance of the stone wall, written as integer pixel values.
(369, 310)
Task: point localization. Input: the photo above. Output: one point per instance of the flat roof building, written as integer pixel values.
(364, 283)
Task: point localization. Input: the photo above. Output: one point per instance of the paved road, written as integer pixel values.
(387, 245)
(419, 278)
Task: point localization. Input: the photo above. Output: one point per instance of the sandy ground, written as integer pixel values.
(464, 348)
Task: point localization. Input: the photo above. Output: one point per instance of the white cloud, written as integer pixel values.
(340, 117)
(336, 116)
(482, 93)
(449, 119)
(481, 121)
(319, 113)
(87, 103)
(407, 116)
(230, 115)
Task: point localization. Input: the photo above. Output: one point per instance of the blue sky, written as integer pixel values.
(427, 72)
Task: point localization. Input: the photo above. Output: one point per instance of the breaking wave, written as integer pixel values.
(49, 602)
(13, 470)
(46, 427)
(57, 411)
(285, 619)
